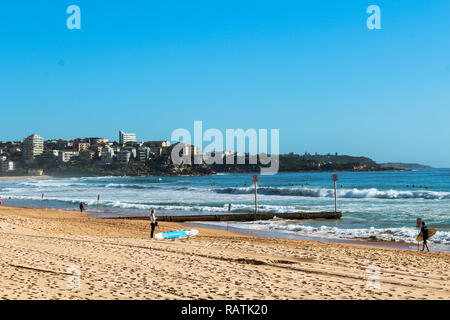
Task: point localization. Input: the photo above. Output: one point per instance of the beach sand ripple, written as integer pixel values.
(53, 254)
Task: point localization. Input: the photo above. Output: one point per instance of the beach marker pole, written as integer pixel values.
(335, 198)
(335, 178)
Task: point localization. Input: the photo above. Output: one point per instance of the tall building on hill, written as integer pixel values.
(126, 137)
(32, 147)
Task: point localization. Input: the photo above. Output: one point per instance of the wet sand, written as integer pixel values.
(354, 241)
(55, 254)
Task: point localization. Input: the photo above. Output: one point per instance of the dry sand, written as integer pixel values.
(42, 250)
(23, 177)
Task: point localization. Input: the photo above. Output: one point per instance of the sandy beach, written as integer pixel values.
(54, 254)
(23, 177)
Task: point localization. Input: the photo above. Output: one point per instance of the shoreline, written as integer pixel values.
(409, 246)
(350, 241)
(117, 260)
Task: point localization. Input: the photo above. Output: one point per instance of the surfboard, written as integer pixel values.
(176, 234)
(431, 232)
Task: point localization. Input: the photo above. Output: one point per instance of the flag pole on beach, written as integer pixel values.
(335, 178)
(255, 179)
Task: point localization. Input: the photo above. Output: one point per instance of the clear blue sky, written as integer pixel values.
(309, 68)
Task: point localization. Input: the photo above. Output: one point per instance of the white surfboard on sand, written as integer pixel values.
(176, 234)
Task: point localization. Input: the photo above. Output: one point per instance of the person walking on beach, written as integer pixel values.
(81, 207)
(424, 232)
(1, 201)
(153, 222)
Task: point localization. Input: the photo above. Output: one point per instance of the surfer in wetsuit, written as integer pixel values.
(424, 232)
(153, 222)
(81, 207)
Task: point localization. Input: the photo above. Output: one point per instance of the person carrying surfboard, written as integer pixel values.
(424, 232)
(153, 222)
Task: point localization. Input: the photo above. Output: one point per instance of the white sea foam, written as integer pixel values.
(402, 234)
(341, 193)
(52, 184)
(236, 208)
(129, 186)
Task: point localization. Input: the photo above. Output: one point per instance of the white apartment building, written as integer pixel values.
(32, 147)
(6, 166)
(126, 137)
(65, 156)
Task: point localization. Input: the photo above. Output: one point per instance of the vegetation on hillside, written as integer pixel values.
(84, 166)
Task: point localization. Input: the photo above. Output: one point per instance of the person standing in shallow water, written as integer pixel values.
(424, 232)
(81, 207)
(153, 222)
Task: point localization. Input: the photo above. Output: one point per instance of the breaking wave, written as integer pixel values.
(342, 193)
(129, 186)
(400, 234)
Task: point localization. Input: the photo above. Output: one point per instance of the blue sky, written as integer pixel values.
(309, 68)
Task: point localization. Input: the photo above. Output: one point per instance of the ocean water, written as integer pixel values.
(380, 205)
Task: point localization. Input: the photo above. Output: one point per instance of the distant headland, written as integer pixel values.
(400, 165)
